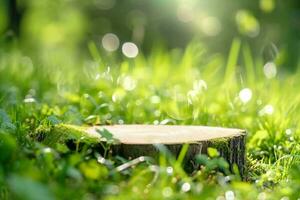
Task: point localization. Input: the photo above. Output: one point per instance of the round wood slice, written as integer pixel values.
(165, 134)
(142, 140)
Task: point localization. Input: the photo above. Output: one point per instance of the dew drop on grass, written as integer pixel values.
(101, 160)
(47, 150)
(269, 109)
(29, 99)
(245, 95)
(169, 170)
(227, 179)
(186, 187)
(288, 132)
(229, 195)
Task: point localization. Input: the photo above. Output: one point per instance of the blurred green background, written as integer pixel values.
(270, 27)
(232, 63)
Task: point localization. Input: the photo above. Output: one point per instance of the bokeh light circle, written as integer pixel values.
(110, 42)
(130, 50)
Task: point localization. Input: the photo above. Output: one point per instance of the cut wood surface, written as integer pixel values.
(141, 140)
(165, 134)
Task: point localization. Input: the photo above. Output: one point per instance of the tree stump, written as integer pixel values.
(142, 140)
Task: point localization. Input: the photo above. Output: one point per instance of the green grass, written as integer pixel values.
(164, 87)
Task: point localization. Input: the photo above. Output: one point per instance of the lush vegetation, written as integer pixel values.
(175, 87)
(47, 79)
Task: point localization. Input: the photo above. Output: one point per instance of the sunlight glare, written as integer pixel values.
(267, 110)
(128, 83)
(186, 187)
(245, 95)
(47, 150)
(288, 132)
